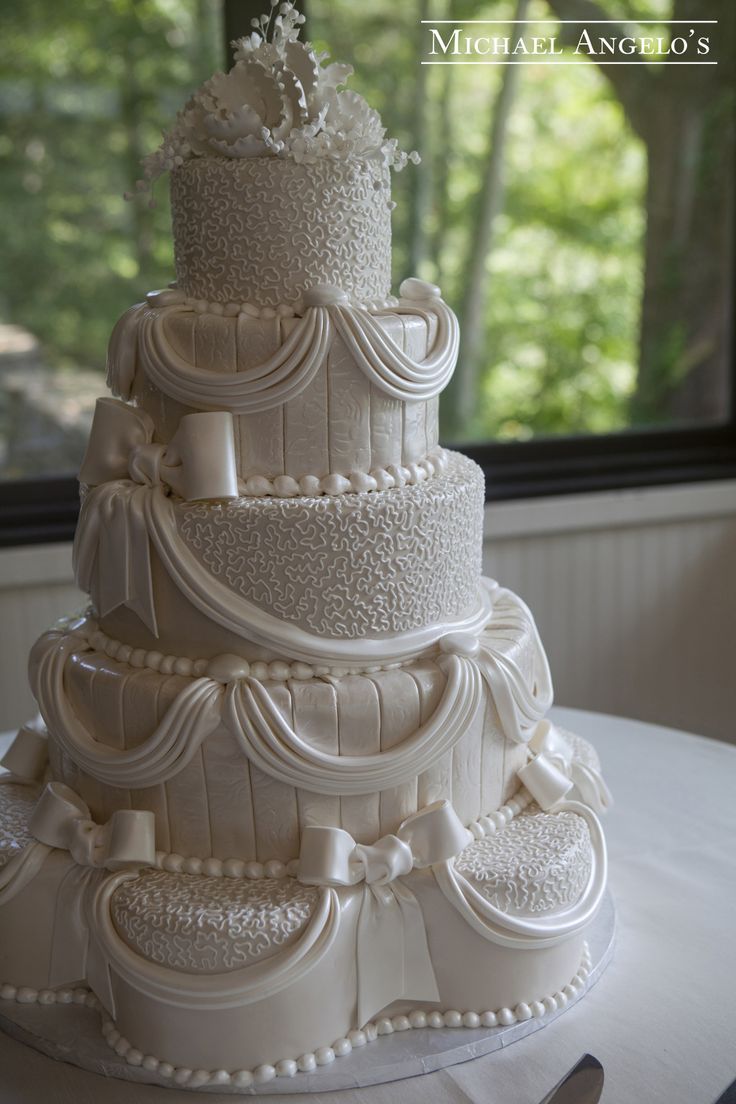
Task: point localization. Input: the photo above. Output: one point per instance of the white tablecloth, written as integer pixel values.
(662, 1020)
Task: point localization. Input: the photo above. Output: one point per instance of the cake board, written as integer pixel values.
(71, 1033)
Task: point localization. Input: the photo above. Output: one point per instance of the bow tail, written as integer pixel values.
(591, 786)
(114, 552)
(393, 960)
(21, 869)
(68, 960)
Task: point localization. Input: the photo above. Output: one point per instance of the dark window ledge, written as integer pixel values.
(38, 511)
(575, 465)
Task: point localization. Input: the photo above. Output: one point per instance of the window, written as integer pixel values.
(84, 91)
(579, 219)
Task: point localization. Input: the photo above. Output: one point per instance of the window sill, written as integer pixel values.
(609, 509)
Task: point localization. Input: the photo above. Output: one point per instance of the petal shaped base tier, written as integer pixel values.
(235, 982)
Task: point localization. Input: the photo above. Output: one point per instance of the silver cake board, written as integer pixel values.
(71, 1033)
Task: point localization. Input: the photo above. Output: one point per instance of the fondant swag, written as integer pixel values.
(139, 338)
(475, 668)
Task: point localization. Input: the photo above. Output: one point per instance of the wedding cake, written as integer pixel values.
(292, 786)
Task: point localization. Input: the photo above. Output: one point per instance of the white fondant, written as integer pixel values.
(512, 930)
(292, 367)
(572, 758)
(198, 463)
(62, 820)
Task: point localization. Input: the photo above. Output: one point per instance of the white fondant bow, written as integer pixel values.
(112, 559)
(198, 463)
(61, 819)
(392, 956)
(555, 770)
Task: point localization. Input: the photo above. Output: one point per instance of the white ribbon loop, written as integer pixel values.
(112, 559)
(392, 955)
(198, 463)
(61, 819)
(330, 856)
(555, 758)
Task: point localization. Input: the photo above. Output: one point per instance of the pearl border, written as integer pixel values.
(356, 482)
(417, 1019)
(277, 670)
(174, 863)
(326, 1055)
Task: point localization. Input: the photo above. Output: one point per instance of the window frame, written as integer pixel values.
(45, 510)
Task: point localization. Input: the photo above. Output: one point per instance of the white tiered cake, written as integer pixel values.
(293, 786)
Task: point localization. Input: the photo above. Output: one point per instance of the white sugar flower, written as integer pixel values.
(280, 99)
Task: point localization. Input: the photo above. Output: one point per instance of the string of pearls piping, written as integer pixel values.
(25, 994)
(334, 484)
(174, 863)
(252, 310)
(341, 1048)
(222, 668)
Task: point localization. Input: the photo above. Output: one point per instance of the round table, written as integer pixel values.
(661, 1019)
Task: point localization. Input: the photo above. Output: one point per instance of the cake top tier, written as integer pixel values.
(279, 100)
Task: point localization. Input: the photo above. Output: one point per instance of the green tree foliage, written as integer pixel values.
(85, 88)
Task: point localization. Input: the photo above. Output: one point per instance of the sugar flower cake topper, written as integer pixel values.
(280, 99)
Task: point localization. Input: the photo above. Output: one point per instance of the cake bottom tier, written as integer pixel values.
(238, 980)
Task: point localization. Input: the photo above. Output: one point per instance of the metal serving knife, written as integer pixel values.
(582, 1085)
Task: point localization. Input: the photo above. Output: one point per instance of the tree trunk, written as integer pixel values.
(684, 115)
(420, 180)
(461, 398)
(684, 344)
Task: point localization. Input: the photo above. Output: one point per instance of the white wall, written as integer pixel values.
(634, 594)
(635, 597)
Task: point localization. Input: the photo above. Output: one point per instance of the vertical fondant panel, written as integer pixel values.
(227, 775)
(359, 730)
(515, 756)
(260, 437)
(306, 450)
(399, 698)
(109, 687)
(142, 713)
(414, 445)
(315, 722)
(435, 783)
(387, 413)
(349, 405)
(492, 760)
(186, 793)
(79, 675)
(433, 422)
(274, 803)
(215, 347)
(466, 770)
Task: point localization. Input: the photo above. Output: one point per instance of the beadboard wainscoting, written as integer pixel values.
(634, 593)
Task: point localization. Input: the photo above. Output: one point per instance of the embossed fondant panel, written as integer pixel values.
(266, 229)
(354, 565)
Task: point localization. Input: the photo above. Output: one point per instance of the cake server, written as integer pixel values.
(583, 1084)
